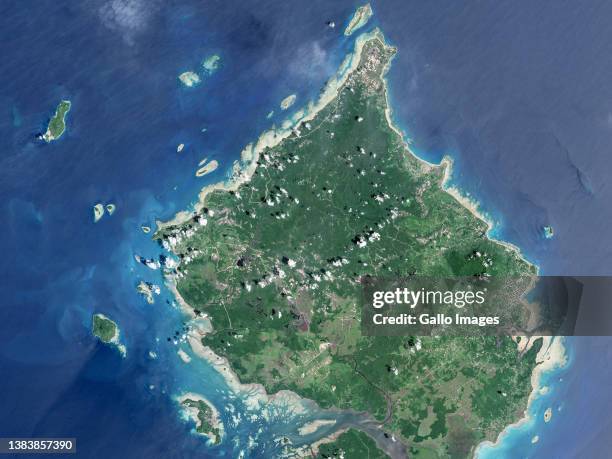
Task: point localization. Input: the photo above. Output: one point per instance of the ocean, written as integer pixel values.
(118, 62)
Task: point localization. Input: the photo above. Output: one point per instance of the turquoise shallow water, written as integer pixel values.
(529, 438)
(579, 400)
(118, 62)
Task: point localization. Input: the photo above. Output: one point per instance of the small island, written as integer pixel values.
(98, 211)
(189, 79)
(107, 331)
(548, 415)
(207, 168)
(146, 289)
(288, 102)
(549, 232)
(57, 125)
(110, 208)
(211, 63)
(205, 416)
(359, 19)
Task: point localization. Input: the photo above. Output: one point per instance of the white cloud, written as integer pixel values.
(127, 17)
(311, 60)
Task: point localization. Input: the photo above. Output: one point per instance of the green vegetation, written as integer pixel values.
(104, 328)
(276, 265)
(107, 331)
(351, 445)
(206, 424)
(57, 125)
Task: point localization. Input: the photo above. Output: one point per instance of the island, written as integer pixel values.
(205, 415)
(360, 18)
(57, 125)
(147, 289)
(207, 168)
(107, 331)
(189, 79)
(98, 211)
(110, 208)
(211, 63)
(549, 232)
(278, 270)
(288, 102)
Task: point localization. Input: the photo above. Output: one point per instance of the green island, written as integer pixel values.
(275, 262)
(107, 331)
(205, 417)
(57, 125)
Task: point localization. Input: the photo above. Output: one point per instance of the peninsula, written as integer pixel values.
(278, 266)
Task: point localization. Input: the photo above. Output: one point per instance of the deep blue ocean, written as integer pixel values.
(517, 93)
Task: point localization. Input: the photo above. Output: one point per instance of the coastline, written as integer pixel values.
(191, 413)
(115, 340)
(314, 448)
(117, 343)
(446, 164)
(198, 398)
(552, 354)
(207, 168)
(474, 207)
(255, 394)
(170, 283)
(360, 18)
(242, 171)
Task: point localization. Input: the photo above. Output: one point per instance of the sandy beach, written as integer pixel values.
(360, 18)
(98, 211)
(184, 356)
(552, 354)
(116, 338)
(191, 413)
(550, 357)
(288, 102)
(256, 397)
(313, 426)
(256, 394)
(207, 168)
(273, 137)
(189, 79)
